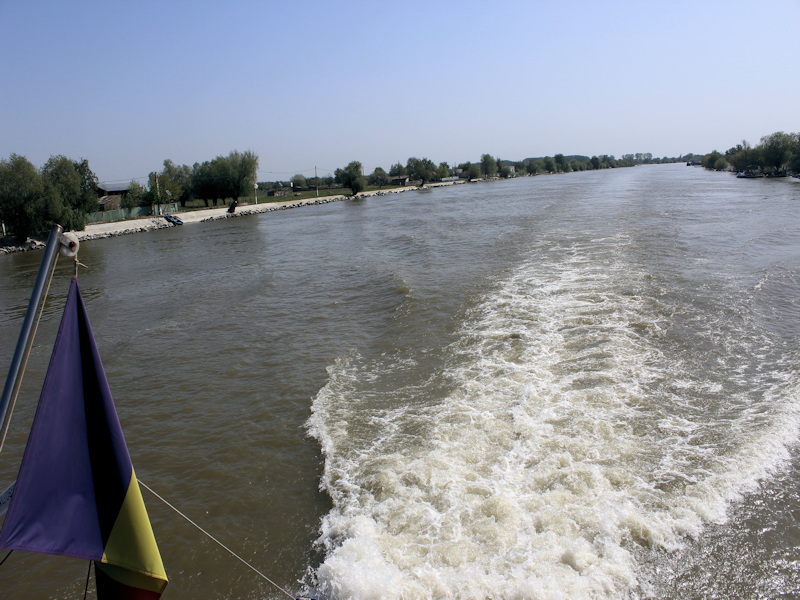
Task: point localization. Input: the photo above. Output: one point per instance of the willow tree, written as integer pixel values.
(225, 177)
(352, 176)
(776, 149)
(378, 177)
(488, 165)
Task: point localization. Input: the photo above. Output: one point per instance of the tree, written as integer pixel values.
(224, 177)
(135, 196)
(488, 165)
(608, 161)
(470, 170)
(74, 186)
(241, 171)
(88, 197)
(776, 149)
(203, 182)
(352, 177)
(740, 156)
(549, 165)
(173, 183)
(298, 181)
(27, 206)
(421, 169)
(794, 160)
(397, 170)
(443, 172)
(709, 160)
(63, 183)
(378, 177)
(561, 163)
(177, 180)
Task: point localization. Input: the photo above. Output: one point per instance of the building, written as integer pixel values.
(110, 195)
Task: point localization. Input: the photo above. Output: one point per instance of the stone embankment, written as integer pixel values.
(10, 247)
(103, 230)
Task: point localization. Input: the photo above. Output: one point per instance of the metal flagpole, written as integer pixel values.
(15, 372)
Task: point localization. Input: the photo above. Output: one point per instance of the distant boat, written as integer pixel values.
(172, 219)
(750, 172)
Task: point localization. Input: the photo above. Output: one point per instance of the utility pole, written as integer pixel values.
(158, 195)
(316, 180)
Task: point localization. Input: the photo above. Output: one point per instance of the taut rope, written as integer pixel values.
(231, 552)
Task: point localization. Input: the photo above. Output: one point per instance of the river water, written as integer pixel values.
(573, 386)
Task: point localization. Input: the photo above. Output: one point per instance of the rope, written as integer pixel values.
(44, 299)
(39, 313)
(78, 264)
(88, 574)
(24, 363)
(6, 557)
(231, 552)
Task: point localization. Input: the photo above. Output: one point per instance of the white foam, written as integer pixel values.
(574, 431)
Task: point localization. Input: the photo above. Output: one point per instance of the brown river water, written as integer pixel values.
(560, 387)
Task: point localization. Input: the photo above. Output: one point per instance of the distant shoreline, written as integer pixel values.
(96, 231)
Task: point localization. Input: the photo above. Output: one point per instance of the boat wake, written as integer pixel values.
(583, 415)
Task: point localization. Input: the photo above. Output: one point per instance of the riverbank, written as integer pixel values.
(96, 231)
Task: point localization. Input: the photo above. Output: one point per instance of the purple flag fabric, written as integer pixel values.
(76, 493)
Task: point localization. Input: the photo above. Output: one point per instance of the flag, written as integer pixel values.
(76, 492)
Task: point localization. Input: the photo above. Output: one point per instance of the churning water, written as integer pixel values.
(577, 386)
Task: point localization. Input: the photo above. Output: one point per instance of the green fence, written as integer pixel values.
(120, 214)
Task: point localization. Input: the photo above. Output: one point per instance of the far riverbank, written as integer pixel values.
(96, 231)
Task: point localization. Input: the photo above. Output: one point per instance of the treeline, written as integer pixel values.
(424, 170)
(212, 181)
(777, 154)
(63, 191)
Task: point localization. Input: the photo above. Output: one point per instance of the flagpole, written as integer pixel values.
(17, 369)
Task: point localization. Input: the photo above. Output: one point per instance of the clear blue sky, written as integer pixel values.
(128, 84)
